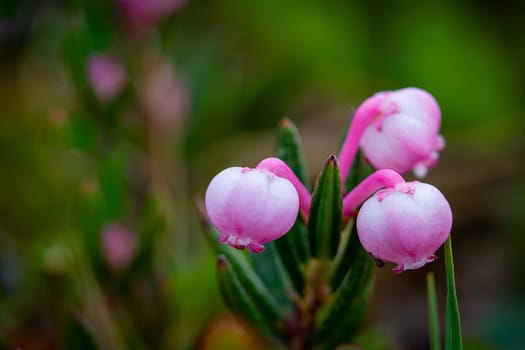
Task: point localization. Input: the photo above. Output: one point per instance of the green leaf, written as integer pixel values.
(453, 336)
(238, 299)
(233, 295)
(288, 255)
(292, 248)
(350, 241)
(346, 258)
(248, 278)
(324, 224)
(270, 269)
(433, 317)
(344, 314)
(289, 150)
(78, 337)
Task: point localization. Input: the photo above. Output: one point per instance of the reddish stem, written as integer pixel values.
(380, 179)
(281, 169)
(364, 116)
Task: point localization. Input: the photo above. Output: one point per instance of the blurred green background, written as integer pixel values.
(204, 86)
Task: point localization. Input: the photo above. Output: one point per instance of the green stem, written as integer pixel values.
(433, 318)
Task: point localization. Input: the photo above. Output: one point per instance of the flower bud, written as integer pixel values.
(405, 224)
(403, 135)
(251, 207)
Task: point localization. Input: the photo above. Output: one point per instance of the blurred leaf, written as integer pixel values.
(373, 339)
(78, 337)
(113, 183)
(82, 133)
(485, 85)
(153, 224)
(453, 336)
(326, 42)
(324, 224)
(106, 331)
(433, 317)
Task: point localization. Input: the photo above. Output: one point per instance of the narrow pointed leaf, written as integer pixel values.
(224, 281)
(433, 317)
(453, 337)
(248, 278)
(289, 150)
(292, 247)
(346, 259)
(345, 313)
(269, 268)
(238, 300)
(289, 257)
(324, 224)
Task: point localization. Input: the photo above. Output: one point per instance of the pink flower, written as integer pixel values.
(251, 207)
(405, 224)
(107, 77)
(119, 246)
(396, 130)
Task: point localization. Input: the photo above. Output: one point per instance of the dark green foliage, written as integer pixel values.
(324, 224)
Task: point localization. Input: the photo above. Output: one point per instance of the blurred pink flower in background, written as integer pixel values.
(119, 246)
(163, 96)
(142, 14)
(106, 75)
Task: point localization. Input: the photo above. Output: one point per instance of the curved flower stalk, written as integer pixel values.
(251, 207)
(281, 169)
(396, 130)
(404, 223)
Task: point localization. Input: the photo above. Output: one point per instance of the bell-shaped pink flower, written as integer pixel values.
(396, 130)
(404, 135)
(251, 207)
(405, 224)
